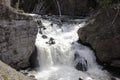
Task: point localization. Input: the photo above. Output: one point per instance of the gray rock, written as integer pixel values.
(44, 37)
(115, 63)
(80, 79)
(103, 34)
(17, 41)
(8, 73)
(17, 37)
(81, 66)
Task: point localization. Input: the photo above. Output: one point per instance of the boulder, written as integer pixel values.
(44, 37)
(17, 37)
(8, 73)
(80, 63)
(102, 32)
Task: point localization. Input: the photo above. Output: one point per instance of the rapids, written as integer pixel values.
(61, 57)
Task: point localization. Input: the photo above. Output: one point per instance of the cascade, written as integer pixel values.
(61, 57)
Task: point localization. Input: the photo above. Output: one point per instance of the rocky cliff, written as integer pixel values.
(17, 37)
(103, 34)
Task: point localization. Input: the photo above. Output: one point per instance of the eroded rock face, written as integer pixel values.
(103, 34)
(17, 37)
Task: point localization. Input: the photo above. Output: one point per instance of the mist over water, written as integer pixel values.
(61, 57)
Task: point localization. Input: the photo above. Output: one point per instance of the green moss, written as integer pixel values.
(5, 76)
(20, 11)
(92, 21)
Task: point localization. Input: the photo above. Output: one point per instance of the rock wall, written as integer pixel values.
(103, 34)
(17, 42)
(17, 37)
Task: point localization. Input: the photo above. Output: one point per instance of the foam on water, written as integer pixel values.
(57, 61)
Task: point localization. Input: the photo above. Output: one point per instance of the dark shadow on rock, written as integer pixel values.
(113, 78)
(80, 79)
(115, 71)
(81, 62)
(51, 41)
(90, 47)
(44, 37)
(33, 59)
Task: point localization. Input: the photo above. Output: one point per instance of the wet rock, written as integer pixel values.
(44, 37)
(39, 23)
(81, 67)
(81, 63)
(51, 41)
(80, 79)
(41, 27)
(24, 72)
(115, 63)
(103, 34)
(44, 28)
(32, 76)
(51, 24)
(40, 31)
(113, 78)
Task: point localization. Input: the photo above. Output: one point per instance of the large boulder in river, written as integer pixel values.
(103, 34)
(17, 37)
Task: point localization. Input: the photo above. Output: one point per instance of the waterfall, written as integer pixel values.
(61, 57)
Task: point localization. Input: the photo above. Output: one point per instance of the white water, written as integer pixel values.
(57, 62)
